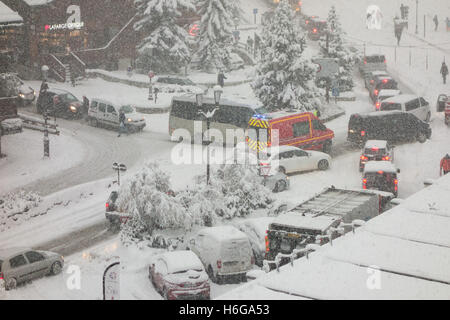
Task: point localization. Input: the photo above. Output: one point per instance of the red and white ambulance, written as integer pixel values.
(303, 130)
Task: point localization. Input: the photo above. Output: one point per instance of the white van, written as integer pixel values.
(418, 106)
(224, 251)
(105, 113)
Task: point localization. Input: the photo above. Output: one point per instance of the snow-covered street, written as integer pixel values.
(58, 203)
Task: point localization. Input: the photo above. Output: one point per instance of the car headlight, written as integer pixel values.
(73, 109)
(21, 95)
(351, 131)
(130, 120)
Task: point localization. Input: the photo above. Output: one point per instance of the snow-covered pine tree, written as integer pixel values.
(215, 36)
(285, 78)
(164, 47)
(336, 49)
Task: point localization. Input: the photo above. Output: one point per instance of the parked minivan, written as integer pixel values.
(418, 106)
(391, 126)
(224, 251)
(105, 113)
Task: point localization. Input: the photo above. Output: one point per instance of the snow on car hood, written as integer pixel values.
(25, 89)
(191, 276)
(318, 154)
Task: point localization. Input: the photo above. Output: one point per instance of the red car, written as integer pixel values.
(179, 275)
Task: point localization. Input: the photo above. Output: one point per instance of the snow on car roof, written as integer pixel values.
(181, 261)
(401, 98)
(223, 233)
(381, 144)
(309, 222)
(260, 225)
(7, 15)
(389, 92)
(375, 166)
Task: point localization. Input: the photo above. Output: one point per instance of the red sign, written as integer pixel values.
(151, 74)
(193, 31)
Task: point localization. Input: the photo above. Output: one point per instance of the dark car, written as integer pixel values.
(59, 103)
(316, 28)
(382, 83)
(376, 150)
(382, 176)
(392, 126)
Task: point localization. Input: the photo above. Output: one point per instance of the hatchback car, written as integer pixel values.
(385, 94)
(376, 150)
(382, 176)
(59, 103)
(19, 265)
(415, 105)
(382, 84)
(369, 78)
(179, 275)
(105, 113)
(287, 159)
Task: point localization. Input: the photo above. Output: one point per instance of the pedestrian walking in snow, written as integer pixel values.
(44, 87)
(445, 165)
(436, 22)
(250, 45)
(398, 29)
(221, 78)
(444, 71)
(85, 107)
(122, 126)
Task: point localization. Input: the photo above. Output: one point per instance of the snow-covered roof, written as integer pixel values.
(223, 233)
(380, 144)
(389, 92)
(35, 3)
(181, 261)
(309, 222)
(375, 166)
(411, 258)
(210, 100)
(7, 15)
(401, 98)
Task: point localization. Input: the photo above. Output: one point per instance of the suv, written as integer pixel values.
(382, 83)
(391, 126)
(105, 113)
(382, 176)
(415, 105)
(316, 28)
(59, 103)
(376, 150)
(372, 62)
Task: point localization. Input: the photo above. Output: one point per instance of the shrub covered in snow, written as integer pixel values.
(285, 78)
(147, 199)
(15, 207)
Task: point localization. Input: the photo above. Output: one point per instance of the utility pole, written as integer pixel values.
(46, 139)
(417, 16)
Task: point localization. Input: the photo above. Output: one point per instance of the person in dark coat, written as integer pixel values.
(398, 29)
(44, 87)
(445, 165)
(436, 22)
(122, 125)
(220, 78)
(85, 106)
(444, 71)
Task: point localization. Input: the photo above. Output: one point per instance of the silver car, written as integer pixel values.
(19, 265)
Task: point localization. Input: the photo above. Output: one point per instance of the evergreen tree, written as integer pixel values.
(216, 36)
(164, 47)
(336, 49)
(285, 79)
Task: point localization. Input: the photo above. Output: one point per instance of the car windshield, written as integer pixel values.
(184, 271)
(390, 106)
(127, 109)
(375, 59)
(374, 151)
(261, 110)
(379, 179)
(68, 97)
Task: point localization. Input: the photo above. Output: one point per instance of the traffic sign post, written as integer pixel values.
(255, 12)
(119, 167)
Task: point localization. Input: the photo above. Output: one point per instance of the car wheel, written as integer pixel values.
(93, 122)
(323, 165)
(210, 273)
(11, 284)
(56, 268)
(421, 137)
(280, 186)
(282, 170)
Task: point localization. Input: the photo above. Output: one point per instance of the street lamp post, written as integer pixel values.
(46, 139)
(119, 167)
(208, 115)
(417, 16)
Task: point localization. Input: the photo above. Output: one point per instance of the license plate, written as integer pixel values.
(293, 235)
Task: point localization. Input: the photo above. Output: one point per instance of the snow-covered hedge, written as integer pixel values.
(234, 191)
(16, 207)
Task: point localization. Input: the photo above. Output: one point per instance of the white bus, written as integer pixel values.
(186, 114)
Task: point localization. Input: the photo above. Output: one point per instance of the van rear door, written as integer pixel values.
(236, 256)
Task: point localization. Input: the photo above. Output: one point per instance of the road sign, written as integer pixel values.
(328, 67)
(151, 74)
(335, 92)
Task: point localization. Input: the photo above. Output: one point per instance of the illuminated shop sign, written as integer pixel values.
(73, 21)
